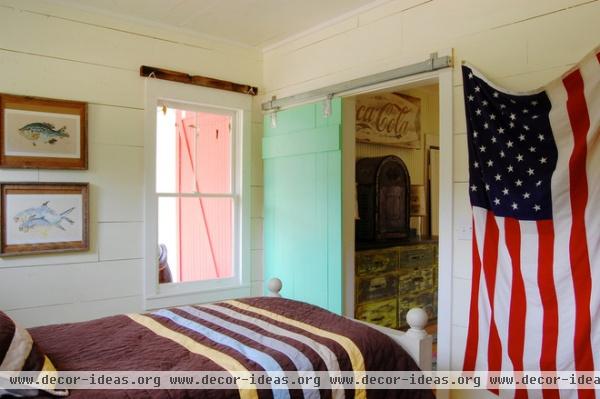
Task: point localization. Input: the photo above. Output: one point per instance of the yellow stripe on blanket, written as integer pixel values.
(356, 357)
(48, 370)
(247, 390)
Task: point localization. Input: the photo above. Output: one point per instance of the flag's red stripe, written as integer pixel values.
(549, 300)
(490, 266)
(473, 332)
(578, 251)
(518, 303)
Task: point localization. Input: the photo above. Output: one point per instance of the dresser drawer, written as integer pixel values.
(383, 313)
(419, 255)
(417, 278)
(381, 286)
(370, 263)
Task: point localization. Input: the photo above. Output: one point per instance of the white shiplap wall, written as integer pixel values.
(519, 44)
(58, 52)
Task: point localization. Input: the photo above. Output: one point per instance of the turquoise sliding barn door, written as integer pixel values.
(303, 204)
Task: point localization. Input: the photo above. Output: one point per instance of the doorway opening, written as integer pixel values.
(391, 224)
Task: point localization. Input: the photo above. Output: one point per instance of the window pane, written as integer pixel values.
(193, 151)
(200, 231)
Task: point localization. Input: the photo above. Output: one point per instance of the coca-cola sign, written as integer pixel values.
(389, 118)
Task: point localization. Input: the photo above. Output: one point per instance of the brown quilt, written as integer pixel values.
(259, 333)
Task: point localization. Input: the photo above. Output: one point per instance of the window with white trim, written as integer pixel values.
(195, 206)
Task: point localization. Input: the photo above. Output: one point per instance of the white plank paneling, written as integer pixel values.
(257, 264)
(461, 158)
(492, 59)
(462, 211)
(202, 297)
(117, 175)
(34, 75)
(459, 341)
(572, 41)
(387, 10)
(311, 38)
(19, 175)
(257, 233)
(74, 312)
(111, 279)
(120, 241)
(115, 125)
(109, 21)
(458, 18)
(256, 177)
(64, 284)
(128, 51)
(257, 288)
(459, 118)
(463, 259)
(257, 201)
(461, 298)
(528, 81)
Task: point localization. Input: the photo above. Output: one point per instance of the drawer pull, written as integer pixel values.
(377, 318)
(377, 284)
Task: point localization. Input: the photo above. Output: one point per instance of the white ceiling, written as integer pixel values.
(257, 23)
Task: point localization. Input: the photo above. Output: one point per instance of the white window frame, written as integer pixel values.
(158, 295)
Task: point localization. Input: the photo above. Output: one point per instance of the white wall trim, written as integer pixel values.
(446, 221)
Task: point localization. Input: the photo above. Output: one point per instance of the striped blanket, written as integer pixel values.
(255, 334)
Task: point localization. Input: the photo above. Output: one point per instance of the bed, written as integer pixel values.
(263, 333)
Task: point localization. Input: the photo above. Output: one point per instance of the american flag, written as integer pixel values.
(535, 194)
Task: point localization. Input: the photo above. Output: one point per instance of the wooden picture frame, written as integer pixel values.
(42, 133)
(43, 218)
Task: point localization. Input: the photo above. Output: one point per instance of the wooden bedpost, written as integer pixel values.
(421, 345)
(274, 285)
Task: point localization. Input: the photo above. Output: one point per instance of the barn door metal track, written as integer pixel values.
(432, 64)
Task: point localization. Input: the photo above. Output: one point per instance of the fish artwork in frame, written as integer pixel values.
(42, 133)
(43, 218)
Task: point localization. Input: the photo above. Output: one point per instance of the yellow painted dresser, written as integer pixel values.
(389, 281)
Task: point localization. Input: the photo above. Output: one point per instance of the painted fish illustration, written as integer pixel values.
(44, 131)
(42, 216)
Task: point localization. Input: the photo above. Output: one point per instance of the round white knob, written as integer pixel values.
(274, 285)
(417, 318)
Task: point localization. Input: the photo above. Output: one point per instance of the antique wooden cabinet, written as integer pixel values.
(390, 281)
(383, 196)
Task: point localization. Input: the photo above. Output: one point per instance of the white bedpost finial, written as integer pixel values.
(274, 285)
(417, 320)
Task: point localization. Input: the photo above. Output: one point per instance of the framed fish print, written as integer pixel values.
(43, 217)
(42, 133)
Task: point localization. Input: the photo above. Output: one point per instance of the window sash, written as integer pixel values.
(198, 195)
(159, 92)
(233, 131)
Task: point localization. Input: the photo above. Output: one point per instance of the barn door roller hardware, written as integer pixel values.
(433, 63)
(181, 77)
